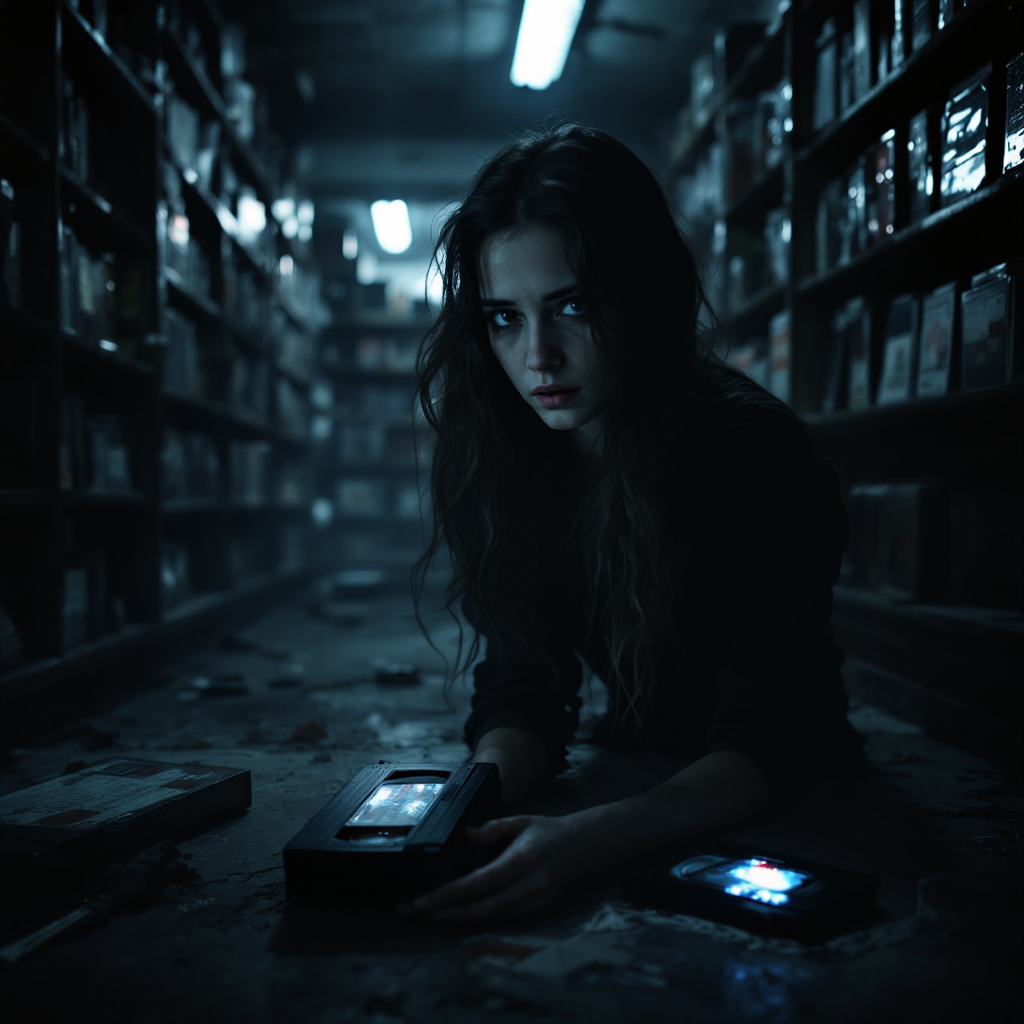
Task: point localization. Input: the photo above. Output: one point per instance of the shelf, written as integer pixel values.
(191, 506)
(205, 603)
(97, 211)
(19, 318)
(382, 321)
(200, 82)
(298, 379)
(754, 74)
(955, 403)
(759, 197)
(97, 45)
(115, 360)
(948, 57)
(767, 302)
(386, 521)
(296, 316)
(346, 469)
(16, 497)
(82, 656)
(105, 499)
(387, 422)
(991, 625)
(217, 414)
(18, 141)
(195, 301)
(981, 215)
(352, 374)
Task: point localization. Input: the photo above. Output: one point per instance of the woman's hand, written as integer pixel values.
(541, 856)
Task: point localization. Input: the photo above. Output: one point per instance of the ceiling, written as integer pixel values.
(387, 98)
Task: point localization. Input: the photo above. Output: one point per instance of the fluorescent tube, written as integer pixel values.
(391, 225)
(545, 35)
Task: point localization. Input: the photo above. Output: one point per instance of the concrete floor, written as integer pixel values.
(211, 938)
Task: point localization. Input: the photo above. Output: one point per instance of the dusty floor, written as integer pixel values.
(211, 939)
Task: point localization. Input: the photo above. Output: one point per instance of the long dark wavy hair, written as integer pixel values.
(643, 294)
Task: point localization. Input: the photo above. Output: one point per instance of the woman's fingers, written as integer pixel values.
(495, 831)
(501, 871)
(530, 892)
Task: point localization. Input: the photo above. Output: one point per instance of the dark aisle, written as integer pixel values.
(211, 939)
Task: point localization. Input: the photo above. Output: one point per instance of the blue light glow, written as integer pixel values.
(762, 875)
(751, 892)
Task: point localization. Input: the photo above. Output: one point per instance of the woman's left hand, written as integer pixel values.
(540, 857)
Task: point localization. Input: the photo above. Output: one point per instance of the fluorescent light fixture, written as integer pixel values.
(290, 227)
(305, 233)
(545, 35)
(391, 225)
(350, 245)
(252, 215)
(305, 212)
(282, 209)
(286, 265)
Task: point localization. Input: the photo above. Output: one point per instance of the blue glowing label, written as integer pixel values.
(760, 880)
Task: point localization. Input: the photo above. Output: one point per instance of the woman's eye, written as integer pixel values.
(574, 307)
(502, 318)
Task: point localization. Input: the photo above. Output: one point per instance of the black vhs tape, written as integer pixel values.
(737, 885)
(392, 833)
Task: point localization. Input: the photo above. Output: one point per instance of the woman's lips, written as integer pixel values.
(556, 399)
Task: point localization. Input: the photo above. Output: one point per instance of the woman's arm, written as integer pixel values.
(520, 756)
(542, 855)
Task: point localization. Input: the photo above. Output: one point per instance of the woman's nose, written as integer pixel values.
(542, 352)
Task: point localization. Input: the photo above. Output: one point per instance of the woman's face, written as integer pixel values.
(540, 332)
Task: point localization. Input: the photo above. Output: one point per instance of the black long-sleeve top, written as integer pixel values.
(755, 669)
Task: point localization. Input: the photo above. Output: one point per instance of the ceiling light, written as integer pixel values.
(282, 209)
(545, 35)
(305, 212)
(391, 225)
(350, 245)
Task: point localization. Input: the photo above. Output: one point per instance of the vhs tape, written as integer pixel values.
(755, 890)
(392, 833)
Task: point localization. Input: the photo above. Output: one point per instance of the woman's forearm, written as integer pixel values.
(520, 756)
(718, 789)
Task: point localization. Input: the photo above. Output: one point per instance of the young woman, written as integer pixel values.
(609, 490)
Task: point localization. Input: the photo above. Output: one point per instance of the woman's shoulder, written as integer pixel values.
(739, 423)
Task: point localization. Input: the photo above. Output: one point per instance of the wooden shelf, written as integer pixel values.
(891, 416)
(194, 302)
(350, 469)
(191, 506)
(991, 625)
(948, 57)
(200, 83)
(217, 414)
(754, 75)
(18, 318)
(298, 379)
(88, 206)
(17, 141)
(759, 197)
(761, 305)
(104, 499)
(15, 497)
(95, 44)
(981, 215)
(382, 321)
(353, 374)
(76, 344)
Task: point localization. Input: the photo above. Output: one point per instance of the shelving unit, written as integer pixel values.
(377, 497)
(952, 658)
(137, 501)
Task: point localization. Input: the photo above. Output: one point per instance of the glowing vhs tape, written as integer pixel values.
(390, 834)
(761, 892)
